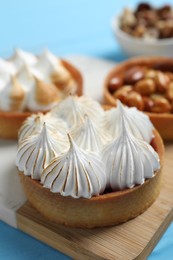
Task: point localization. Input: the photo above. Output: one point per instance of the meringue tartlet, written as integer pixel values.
(85, 167)
(30, 84)
(146, 83)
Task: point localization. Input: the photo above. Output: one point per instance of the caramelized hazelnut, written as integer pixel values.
(162, 81)
(161, 105)
(166, 29)
(170, 75)
(139, 31)
(128, 18)
(150, 16)
(143, 7)
(145, 87)
(122, 93)
(148, 104)
(115, 83)
(134, 74)
(164, 9)
(151, 74)
(157, 96)
(164, 12)
(134, 99)
(169, 91)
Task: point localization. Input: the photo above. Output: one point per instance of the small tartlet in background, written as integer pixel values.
(41, 98)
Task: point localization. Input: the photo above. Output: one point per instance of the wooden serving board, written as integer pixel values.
(134, 239)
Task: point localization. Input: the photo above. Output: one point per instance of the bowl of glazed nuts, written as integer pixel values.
(145, 83)
(146, 30)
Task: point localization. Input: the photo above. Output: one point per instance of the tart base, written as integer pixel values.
(104, 210)
(10, 122)
(158, 120)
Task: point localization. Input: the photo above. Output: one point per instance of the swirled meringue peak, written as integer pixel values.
(137, 122)
(42, 96)
(34, 124)
(7, 70)
(25, 78)
(73, 109)
(89, 136)
(6, 67)
(129, 160)
(70, 110)
(47, 62)
(21, 57)
(37, 151)
(92, 108)
(75, 173)
(13, 96)
(50, 69)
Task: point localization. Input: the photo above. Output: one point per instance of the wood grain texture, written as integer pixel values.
(134, 239)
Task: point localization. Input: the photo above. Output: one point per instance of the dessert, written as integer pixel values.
(87, 174)
(148, 22)
(145, 83)
(29, 84)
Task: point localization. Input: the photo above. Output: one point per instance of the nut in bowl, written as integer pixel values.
(146, 83)
(145, 31)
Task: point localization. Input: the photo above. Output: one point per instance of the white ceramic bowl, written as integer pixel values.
(133, 46)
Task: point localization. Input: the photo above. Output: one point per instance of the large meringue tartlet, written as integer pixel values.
(30, 84)
(85, 167)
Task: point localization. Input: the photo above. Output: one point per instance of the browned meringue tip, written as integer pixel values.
(70, 88)
(45, 93)
(17, 91)
(17, 94)
(61, 79)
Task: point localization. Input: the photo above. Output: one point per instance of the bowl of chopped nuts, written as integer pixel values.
(146, 30)
(145, 83)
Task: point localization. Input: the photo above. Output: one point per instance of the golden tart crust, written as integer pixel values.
(10, 122)
(159, 120)
(103, 210)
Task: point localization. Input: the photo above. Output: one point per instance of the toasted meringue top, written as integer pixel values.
(21, 58)
(89, 136)
(75, 173)
(129, 160)
(26, 78)
(137, 122)
(52, 70)
(7, 70)
(42, 96)
(73, 109)
(69, 89)
(12, 97)
(47, 63)
(44, 79)
(34, 124)
(37, 151)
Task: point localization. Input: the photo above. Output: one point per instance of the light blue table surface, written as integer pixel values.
(65, 27)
